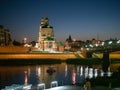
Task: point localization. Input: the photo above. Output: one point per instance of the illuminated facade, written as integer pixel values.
(46, 40)
(73, 45)
(5, 38)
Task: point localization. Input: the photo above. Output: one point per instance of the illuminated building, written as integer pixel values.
(68, 43)
(73, 44)
(46, 40)
(25, 40)
(4, 36)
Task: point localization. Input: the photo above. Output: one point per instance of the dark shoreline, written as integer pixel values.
(23, 62)
(78, 61)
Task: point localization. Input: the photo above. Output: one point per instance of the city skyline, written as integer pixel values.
(82, 19)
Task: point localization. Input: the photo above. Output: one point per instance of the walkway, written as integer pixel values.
(81, 88)
(67, 87)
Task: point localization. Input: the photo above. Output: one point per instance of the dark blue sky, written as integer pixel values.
(82, 19)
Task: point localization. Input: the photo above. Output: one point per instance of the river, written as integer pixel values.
(63, 73)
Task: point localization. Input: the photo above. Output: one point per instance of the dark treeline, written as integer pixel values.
(79, 61)
(23, 62)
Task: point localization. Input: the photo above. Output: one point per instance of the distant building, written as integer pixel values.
(60, 47)
(46, 40)
(96, 42)
(5, 38)
(73, 45)
(68, 43)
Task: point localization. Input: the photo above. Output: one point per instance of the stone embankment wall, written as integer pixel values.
(37, 56)
(14, 52)
(13, 49)
(112, 55)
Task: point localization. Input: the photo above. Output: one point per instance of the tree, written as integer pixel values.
(16, 43)
(33, 43)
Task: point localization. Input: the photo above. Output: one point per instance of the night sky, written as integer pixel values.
(82, 19)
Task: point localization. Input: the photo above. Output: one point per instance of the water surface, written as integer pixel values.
(63, 73)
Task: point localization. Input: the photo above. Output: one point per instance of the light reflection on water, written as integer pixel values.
(63, 73)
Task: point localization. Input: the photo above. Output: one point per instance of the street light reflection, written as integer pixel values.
(81, 71)
(66, 71)
(73, 76)
(26, 78)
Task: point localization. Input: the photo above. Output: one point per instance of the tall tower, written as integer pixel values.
(46, 40)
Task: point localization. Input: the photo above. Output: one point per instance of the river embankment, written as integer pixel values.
(18, 55)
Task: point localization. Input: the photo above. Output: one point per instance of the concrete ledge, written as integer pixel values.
(112, 55)
(37, 56)
(13, 49)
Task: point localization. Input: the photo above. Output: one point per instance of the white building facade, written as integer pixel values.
(46, 40)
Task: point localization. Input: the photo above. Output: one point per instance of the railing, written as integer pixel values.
(41, 86)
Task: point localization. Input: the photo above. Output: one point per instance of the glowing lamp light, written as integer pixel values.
(109, 74)
(25, 38)
(74, 39)
(88, 49)
(81, 48)
(96, 45)
(91, 45)
(103, 43)
(110, 42)
(118, 41)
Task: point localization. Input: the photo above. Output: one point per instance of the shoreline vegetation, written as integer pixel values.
(77, 61)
